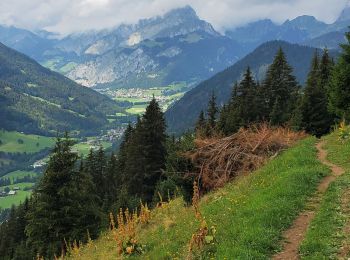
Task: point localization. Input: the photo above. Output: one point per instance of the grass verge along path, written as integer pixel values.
(295, 235)
(328, 236)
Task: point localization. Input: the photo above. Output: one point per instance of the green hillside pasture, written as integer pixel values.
(137, 109)
(84, 148)
(11, 142)
(7, 202)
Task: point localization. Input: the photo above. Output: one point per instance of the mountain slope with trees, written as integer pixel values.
(37, 100)
(222, 83)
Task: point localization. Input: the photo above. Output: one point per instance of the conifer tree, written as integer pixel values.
(212, 112)
(279, 91)
(222, 124)
(229, 121)
(99, 177)
(63, 204)
(12, 234)
(315, 118)
(134, 162)
(95, 166)
(326, 66)
(154, 147)
(339, 84)
(242, 109)
(201, 124)
(245, 99)
(113, 182)
(123, 148)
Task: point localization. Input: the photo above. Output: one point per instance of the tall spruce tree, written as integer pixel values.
(63, 205)
(242, 109)
(154, 145)
(315, 118)
(201, 123)
(122, 154)
(212, 113)
(245, 103)
(113, 182)
(279, 91)
(134, 162)
(326, 66)
(222, 124)
(229, 120)
(339, 84)
(100, 178)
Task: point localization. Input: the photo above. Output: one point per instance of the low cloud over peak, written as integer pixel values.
(67, 16)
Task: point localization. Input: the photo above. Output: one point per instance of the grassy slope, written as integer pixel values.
(7, 202)
(84, 148)
(11, 145)
(325, 234)
(249, 214)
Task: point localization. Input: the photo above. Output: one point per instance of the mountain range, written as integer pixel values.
(175, 47)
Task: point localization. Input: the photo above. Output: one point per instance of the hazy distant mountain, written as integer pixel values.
(303, 29)
(154, 52)
(158, 51)
(177, 46)
(37, 100)
(345, 15)
(259, 32)
(329, 40)
(24, 41)
(189, 58)
(197, 99)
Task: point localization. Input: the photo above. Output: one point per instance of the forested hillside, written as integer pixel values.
(222, 83)
(35, 99)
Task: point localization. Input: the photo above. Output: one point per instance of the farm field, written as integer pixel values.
(139, 98)
(15, 142)
(84, 148)
(21, 195)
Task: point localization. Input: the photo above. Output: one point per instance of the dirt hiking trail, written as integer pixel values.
(296, 233)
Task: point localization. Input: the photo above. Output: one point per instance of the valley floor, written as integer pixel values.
(252, 214)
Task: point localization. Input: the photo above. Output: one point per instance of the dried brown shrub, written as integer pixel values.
(198, 237)
(221, 159)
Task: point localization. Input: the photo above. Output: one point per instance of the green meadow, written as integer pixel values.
(15, 142)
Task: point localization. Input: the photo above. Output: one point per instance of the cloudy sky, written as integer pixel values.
(66, 16)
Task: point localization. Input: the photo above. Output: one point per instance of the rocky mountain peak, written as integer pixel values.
(303, 21)
(185, 12)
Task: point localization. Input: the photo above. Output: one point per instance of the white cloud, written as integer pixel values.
(66, 16)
